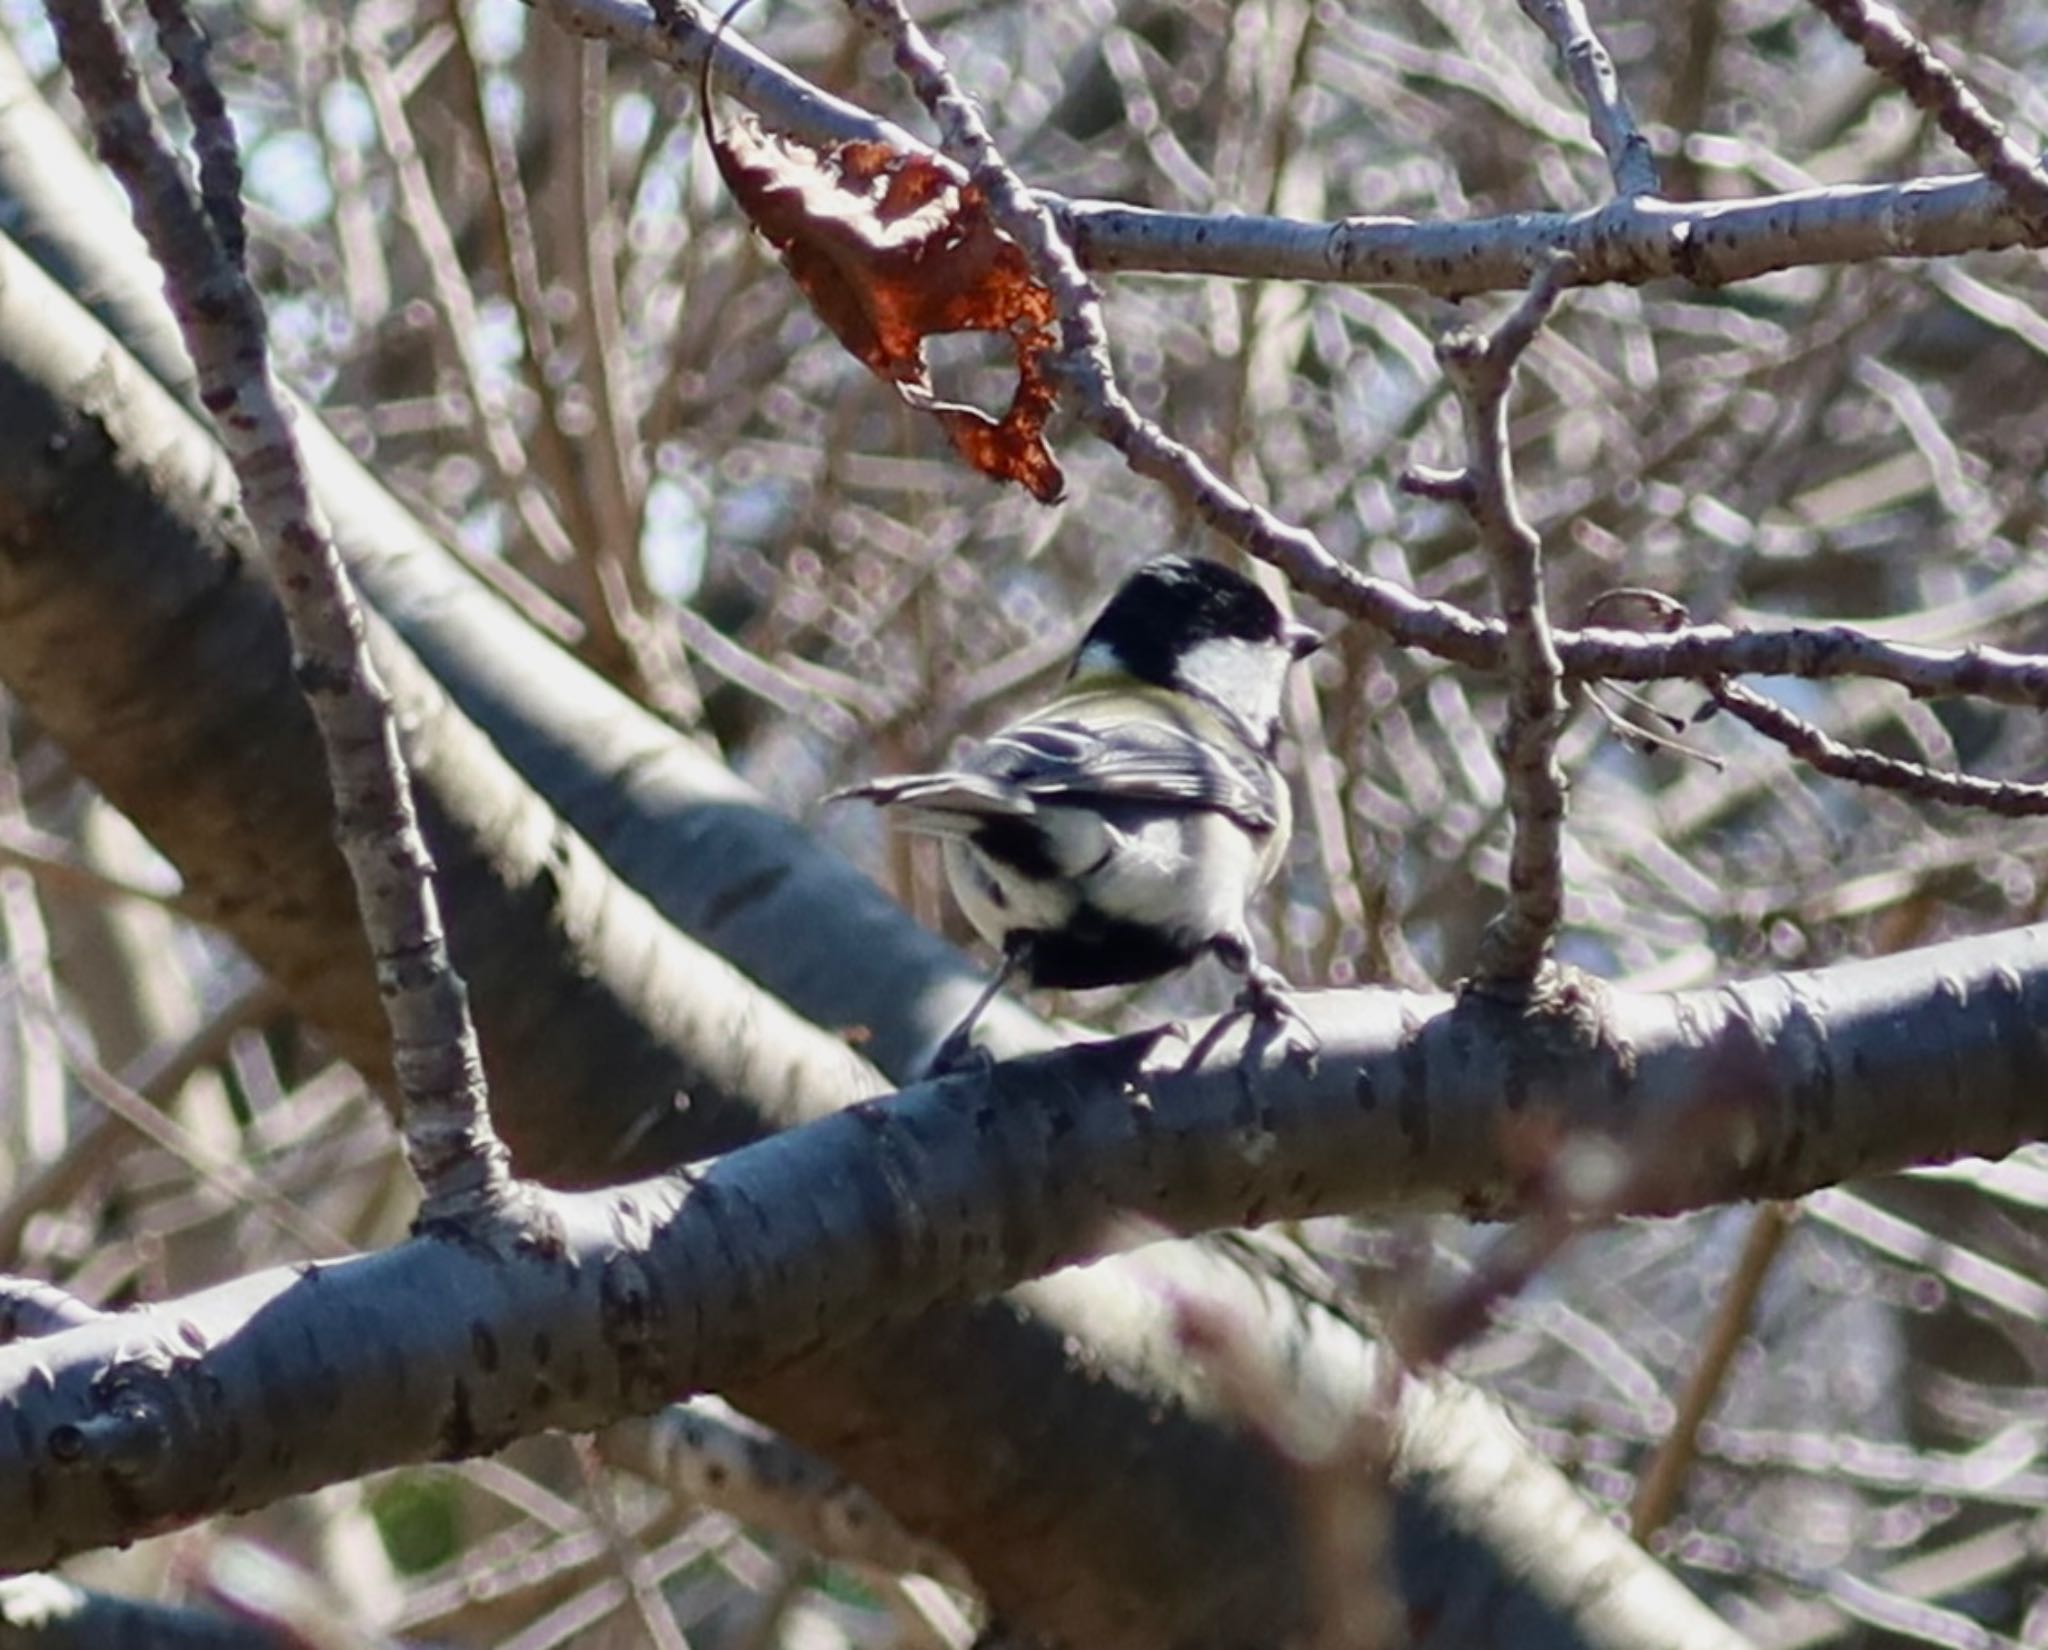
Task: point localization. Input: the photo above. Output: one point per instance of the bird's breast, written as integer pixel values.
(1106, 900)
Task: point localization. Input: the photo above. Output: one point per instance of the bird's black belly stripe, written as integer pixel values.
(1092, 950)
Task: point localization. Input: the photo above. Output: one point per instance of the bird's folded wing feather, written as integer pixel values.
(1067, 762)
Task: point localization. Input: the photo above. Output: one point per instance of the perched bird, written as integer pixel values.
(1120, 832)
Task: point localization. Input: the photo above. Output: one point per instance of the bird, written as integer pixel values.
(1119, 832)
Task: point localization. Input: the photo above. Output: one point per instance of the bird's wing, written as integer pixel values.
(1066, 762)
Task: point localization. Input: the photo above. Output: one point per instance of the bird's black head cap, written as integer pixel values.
(1175, 603)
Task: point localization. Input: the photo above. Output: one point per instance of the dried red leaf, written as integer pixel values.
(894, 246)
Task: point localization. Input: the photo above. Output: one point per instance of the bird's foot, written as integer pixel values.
(1276, 1021)
(958, 1056)
(1268, 1002)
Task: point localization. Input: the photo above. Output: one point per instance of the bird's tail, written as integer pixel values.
(940, 804)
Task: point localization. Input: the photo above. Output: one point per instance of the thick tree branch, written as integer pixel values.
(287, 1379)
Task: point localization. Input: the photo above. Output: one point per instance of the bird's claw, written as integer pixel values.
(958, 1056)
(1268, 1003)
(1276, 1021)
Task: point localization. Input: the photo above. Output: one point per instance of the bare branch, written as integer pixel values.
(711, 1453)
(2010, 799)
(457, 1157)
(1657, 1494)
(1482, 371)
(189, 54)
(1591, 72)
(953, 1189)
(1894, 51)
(461, 316)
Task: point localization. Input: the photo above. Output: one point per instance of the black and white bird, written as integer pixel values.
(1120, 832)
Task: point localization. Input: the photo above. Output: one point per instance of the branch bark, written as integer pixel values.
(287, 1379)
(437, 1063)
(1629, 240)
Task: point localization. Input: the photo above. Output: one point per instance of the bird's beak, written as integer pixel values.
(1302, 641)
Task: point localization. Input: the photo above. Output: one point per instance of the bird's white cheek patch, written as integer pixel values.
(1248, 676)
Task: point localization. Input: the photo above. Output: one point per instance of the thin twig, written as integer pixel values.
(31, 1308)
(453, 296)
(457, 1157)
(1657, 1493)
(233, 1179)
(629, 1557)
(155, 1077)
(508, 218)
(2009, 799)
(189, 53)
(1591, 71)
(57, 865)
(1481, 369)
(1895, 52)
(1639, 735)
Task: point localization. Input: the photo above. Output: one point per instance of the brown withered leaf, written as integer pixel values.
(894, 246)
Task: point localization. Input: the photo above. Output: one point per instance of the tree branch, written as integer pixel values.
(1629, 240)
(456, 1155)
(2009, 799)
(1482, 371)
(1892, 49)
(1591, 72)
(708, 1452)
(284, 1380)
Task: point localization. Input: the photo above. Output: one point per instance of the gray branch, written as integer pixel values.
(1629, 240)
(1482, 371)
(454, 1151)
(284, 1380)
(1591, 71)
